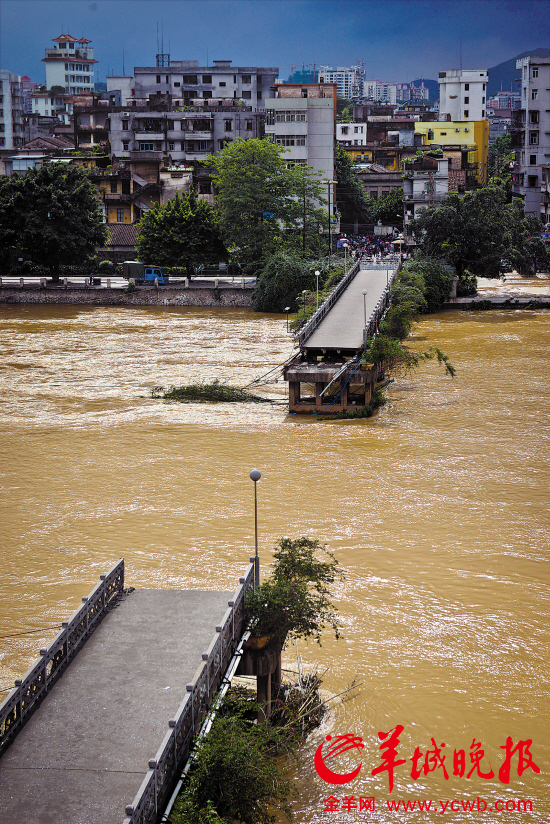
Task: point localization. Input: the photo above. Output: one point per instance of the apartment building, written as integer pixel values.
(462, 94)
(384, 92)
(186, 81)
(531, 133)
(472, 134)
(425, 183)
(11, 111)
(349, 81)
(70, 64)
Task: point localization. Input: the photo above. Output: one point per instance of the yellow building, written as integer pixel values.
(466, 133)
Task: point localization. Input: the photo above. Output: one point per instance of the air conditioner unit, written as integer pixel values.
(466, 130)
(457, 130)
(126, 114)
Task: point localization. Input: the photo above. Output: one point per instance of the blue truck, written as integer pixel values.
(142, 272)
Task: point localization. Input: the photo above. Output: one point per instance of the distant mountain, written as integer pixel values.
(505, 74)
(432, 85)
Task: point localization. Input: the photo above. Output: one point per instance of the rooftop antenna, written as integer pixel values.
(461, 54)
(123, 72)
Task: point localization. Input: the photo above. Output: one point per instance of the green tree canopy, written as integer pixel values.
(388, 209)
(184, 232)
(51, 216)
(264, 203)
(480, 231)
(351, 200)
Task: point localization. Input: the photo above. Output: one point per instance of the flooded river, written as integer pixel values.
(437, 509)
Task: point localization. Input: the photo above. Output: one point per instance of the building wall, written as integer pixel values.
(11, 106)
(462, 94)
(186, 79)
(309, 140)
(467, 133)
(70, 63)
(533, 150)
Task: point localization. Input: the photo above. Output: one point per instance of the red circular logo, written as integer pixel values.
(340, 744)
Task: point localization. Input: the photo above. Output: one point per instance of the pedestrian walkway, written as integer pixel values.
(83, 755)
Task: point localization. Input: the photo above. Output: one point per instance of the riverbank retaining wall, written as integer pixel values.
(103, 296)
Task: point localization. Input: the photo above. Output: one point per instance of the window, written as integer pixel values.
(533, 117)
(66, 67)
(443, 134)
(228, 125)
(466, 113)
(466, 87)
(385, 193)
(125, 187)
(258, 95)
(204, 188)
(177, 83)
(190, 79)
(484, 86)
(234, 78)
(304, 92)
(125, 145)
(125, 124)
(171, 147)
(147, 147)
(120, 215)
(532, 160)
(246, 78)
(466, 100)
(356, 130)
(532, 181)
(483, 99)
(344, 129)
(167, 79)
(535, 72)
(430, 134)
(249, 125)
(223, 83)
(158, 78)
(207, 95)
(534, 94)
(290, 139)
(207, 78)
(533, 138)
(113, 187)
(246, 95)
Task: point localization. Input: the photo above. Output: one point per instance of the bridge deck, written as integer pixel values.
(83, 755)
(343, 326)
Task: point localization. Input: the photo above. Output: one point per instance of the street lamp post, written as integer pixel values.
(329, 184)
(287, 310)
(317, 273)
(365, 306)
(255, 475)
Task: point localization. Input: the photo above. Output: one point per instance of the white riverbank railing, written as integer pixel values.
(53, 659)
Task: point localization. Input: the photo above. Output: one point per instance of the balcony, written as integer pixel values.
(149, 136)
(156, 156)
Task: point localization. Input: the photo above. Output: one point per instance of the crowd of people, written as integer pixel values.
(375, 247)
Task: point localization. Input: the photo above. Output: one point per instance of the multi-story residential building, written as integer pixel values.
(351, 134)
(70, 64)
(186, 80)
(425, 183)
(505, 100)
(384, 92)
(11, 110)
(532, 133)
(303, 118)
(473, 134)
(349, 81)
(462, 94)
(27, 88)
(49, 104)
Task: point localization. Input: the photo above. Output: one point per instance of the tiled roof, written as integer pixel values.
(122, 234)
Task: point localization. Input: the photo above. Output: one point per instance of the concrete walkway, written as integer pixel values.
(343, 326)
(82, 756)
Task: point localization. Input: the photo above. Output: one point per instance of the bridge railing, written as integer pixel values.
(307, 330)
(35, 683)
(170, 757)
(381, 307)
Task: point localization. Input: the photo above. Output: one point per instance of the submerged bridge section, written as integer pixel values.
(110, 736)
(327, 376)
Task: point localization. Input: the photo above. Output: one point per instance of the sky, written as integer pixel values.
(399, 40)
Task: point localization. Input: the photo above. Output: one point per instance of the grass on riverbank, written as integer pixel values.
(214, 392)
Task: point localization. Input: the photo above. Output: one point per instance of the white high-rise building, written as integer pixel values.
(376, 90)
(462, 94)
(70, 64)
(349, 81)
(11, 111)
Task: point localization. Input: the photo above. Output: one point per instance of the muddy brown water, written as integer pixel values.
(437, 509)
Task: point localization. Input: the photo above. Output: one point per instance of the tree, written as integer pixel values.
(500, 162)
(478, 232)
(351, 200)
(262, 202)
(51, 216)
(388, 209)
(184, 232)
